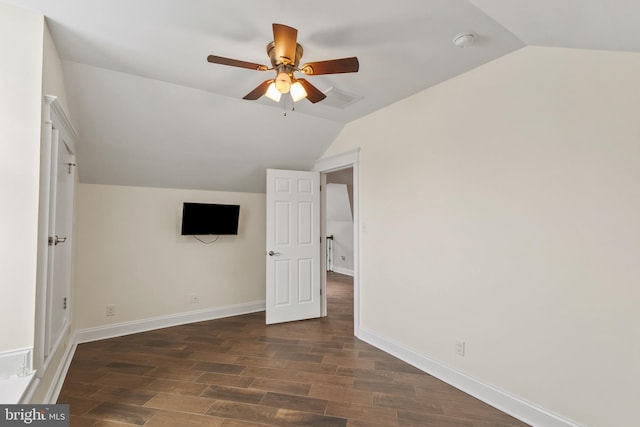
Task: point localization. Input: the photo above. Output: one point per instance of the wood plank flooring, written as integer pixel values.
(239, 372)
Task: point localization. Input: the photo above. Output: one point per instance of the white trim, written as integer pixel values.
(52, 393)
(323, 244)
(339, 161)
(61, 373)
(59, 116)
(43, 233)
(356, 248)
(54, 349)
(143, 325)
(506, 402)
(56, 126)
(348, 159)
(344, 271)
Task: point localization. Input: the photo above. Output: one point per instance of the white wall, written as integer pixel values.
(501, 208)
(52, 76)
(52, 84)
(130, 254)
(21, 34)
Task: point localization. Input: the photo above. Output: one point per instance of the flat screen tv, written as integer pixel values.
(209, 218)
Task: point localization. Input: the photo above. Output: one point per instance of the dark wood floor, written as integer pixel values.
(238, 372)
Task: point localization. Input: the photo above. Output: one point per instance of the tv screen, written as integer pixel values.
(208, 218)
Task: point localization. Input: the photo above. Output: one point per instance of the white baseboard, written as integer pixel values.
(56, 385)
(344, 271)
(136, 326)
(506, 402)
(52, 392)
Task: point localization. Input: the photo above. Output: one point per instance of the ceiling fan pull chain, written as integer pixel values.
(284, 107)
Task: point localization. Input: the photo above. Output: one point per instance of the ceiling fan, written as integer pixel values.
(285, 53)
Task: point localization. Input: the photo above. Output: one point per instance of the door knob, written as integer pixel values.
(53, 241)
(272, 253)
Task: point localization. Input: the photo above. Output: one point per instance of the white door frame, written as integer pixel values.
(349, 159)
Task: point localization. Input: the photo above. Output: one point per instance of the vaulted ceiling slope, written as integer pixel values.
(151, 111)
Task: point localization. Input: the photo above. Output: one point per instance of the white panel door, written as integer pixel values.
(60, 226)
(293, 246)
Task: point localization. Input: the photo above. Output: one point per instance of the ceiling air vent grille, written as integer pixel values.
(339, 98)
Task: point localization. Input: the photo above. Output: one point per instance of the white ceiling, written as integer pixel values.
(151, 111)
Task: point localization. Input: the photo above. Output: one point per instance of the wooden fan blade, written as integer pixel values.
(332, 66)
(284, 42)
(259, 91)
(313, 93)
(236, 63)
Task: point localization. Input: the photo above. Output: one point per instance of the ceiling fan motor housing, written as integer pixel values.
(293, 62)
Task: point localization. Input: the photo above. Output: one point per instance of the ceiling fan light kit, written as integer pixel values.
(283, 82)
(273, 93)
(298, 92)
(285, 54)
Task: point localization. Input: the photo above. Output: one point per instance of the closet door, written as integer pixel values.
(60, 241)
(55, 240)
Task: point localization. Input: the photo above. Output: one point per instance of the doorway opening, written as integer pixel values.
(339, 221)
(341, 169)
(297, 240)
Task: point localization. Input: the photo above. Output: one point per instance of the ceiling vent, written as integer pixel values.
(339, 98)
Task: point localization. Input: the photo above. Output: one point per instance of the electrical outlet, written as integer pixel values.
(460, 348)
(111, 310)
(194, 299)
